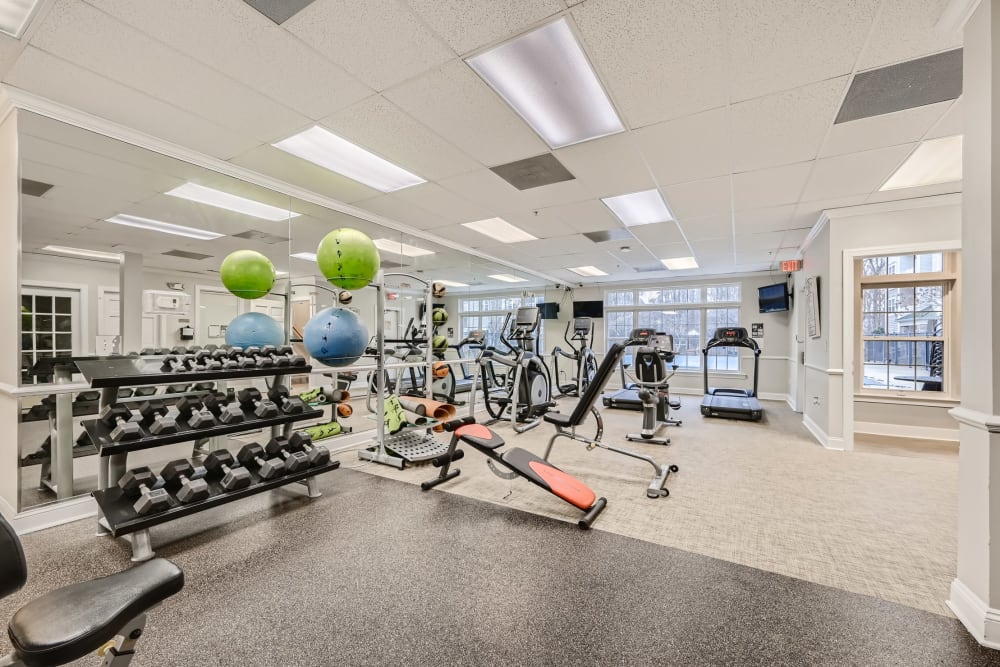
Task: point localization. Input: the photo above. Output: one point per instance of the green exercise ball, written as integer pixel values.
(439, 316)
(247, 274)
(439, 344)
(347, 258)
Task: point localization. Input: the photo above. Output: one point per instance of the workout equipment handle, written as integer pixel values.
(458, 423)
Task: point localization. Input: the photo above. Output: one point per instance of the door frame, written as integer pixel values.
(86, 340)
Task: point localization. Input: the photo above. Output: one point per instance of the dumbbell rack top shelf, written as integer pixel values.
(130, 372)
(121, 519)
(100, 433)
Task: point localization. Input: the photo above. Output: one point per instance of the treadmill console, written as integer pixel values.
(730, 335)
(641, 336)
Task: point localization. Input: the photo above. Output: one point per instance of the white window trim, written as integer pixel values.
(494, 313)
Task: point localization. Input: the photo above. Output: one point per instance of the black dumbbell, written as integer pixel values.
(118, 416)
(211, 347)
(294, 461)
(253, 455)
(263, 408)
(177, 474)
(144, 391)
(243, 361)
(192, 410)
(293, 359)
(271, 352)
(227, 413)
(221, 463)
(156, 418)
(203, 360)
(139, 483)
(179, 349)
(261, 358)
(147, 351)
(318, 455)
(278, 393)
(289, 405)
(173, 364)
(187, 405)
(221, 357)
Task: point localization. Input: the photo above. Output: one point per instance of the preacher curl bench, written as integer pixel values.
(105, 615)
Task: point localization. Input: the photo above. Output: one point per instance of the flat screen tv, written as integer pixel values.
(588, 309)
(550, 310)
(773, 298)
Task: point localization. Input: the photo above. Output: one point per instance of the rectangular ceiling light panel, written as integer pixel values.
(308, 256)
(639, 208)
(82, 252)
(399, 248)
(546, 77)
(451, 283)
(218, 198)
(165, 227)
(680, 263)
(14, 16)
(326, 149)
(589, 271)
(500, 230)
(935, 161)
(508, 278)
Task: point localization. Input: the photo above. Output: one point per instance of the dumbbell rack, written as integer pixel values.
(115, 513)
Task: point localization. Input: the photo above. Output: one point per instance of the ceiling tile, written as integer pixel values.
(765, 241)
(286, 167)
(98, 42)
(383, 128)
(459, 106)
(669, 250)
(658, 234)
(560, 245)
(687, 149)
(467, 26)
(401, 211)
(449, 208)
(888, 129)
(770, 187)
(242, 43)
(587, 216)
(699, 198)
(905, 29)
(815, 207)
(10, 49)
(708, 227)
(382, 42)
(768, 42)
(785, 127)
(950, 123)
(713, 247)
(608, 166)
(855, 173)
(544, 223)
(660, 60)
(793, 238)
(763, 219)
(485, 187)
(69, 84)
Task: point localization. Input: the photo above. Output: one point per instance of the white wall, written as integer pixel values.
(816, 385)
(10, 309)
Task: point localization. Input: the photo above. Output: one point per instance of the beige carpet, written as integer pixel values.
(760, 494)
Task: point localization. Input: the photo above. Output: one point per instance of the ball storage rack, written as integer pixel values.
(116, 515)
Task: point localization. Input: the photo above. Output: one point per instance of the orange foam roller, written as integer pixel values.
(426, 407)
(339, 395)
(440, 369)
(344, 410)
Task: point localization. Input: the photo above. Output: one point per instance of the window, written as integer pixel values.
(488, 313)
(686, 313)
(47, 327)
(904, 308)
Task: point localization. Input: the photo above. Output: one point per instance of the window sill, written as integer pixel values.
(909, 399)
(727, 374)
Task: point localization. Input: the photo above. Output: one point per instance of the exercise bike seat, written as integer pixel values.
(71, 622)
(549, 477)
(479, 436)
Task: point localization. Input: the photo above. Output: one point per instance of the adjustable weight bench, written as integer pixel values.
(520, 462)
(105, 615)
(566, 424)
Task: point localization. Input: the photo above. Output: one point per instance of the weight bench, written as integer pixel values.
(566, 424)
(105, 615)
(520, 462)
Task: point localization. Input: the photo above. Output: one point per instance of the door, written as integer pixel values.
(50, 326)
(273, 307)
(109, 321)
(390, 323)
(214, 310)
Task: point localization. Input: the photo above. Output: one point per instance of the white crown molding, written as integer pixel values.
(955, 15)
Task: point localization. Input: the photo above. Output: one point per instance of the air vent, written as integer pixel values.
(914, 83)
(186, 254)
(279, 11)
(609, 235)
(263, 237)
(34, 188)
(533, 172)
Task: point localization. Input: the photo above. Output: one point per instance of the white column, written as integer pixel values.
(130, 303)
(10, 309)
(975, 592)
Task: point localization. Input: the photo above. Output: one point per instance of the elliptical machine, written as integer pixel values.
(652, 383)
(583, 357)
(524, 393)
(447, 386)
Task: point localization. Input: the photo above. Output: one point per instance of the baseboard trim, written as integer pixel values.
(906, 431)
(827, 441)
(55, 514)
(7, 511)
(768, 396)
(982, 621)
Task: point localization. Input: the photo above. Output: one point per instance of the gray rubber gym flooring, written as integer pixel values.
(377, 572)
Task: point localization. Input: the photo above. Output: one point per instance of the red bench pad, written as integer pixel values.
(479, 436)
(550, 478)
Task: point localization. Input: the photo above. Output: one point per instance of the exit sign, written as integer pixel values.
(790, 265)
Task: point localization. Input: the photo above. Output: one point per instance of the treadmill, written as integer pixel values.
(627, 398)
(732, 403)
(475, 340)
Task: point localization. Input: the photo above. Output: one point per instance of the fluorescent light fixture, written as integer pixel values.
(639, 208)
(507, 278)
(326, 149)
(14, 15)
(308, 256)
(678, 263)
(935, 161)
(546, 77)
(165, 227)
(451, 283)
(400, 248)
(587, 271)
(218, 198)
(499, 229)
(81, 252)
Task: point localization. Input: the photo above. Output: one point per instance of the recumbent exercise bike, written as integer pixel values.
(583, 357)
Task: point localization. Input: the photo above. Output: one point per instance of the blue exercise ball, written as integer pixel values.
(257, 329)
(335, 337)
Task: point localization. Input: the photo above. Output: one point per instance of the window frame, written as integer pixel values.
(479, 313)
